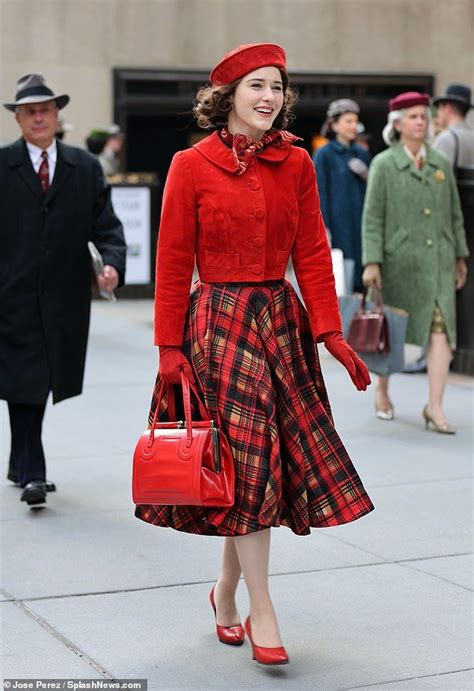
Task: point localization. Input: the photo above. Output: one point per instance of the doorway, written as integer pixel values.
(153, 108)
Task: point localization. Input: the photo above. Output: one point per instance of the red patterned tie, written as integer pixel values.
(43, 172)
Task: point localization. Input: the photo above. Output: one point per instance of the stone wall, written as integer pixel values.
(76, 43)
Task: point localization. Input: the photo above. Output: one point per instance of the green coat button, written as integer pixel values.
(427, 212)
(429, 242)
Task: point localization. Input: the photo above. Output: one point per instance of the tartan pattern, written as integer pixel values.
(257, 366)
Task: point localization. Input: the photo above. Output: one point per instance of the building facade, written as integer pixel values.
(83, 46)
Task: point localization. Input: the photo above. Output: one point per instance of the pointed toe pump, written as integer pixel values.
(441, 427)
(384, 414)
(266, 656)
(231, 635)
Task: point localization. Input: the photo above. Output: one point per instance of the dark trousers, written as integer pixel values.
(27, 460)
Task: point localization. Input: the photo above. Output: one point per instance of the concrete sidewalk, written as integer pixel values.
(88, 591)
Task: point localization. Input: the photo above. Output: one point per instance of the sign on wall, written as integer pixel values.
(132, 206)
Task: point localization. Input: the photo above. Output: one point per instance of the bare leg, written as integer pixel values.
(438, 359)
(382, 401)
(253, 551)
(224, 593)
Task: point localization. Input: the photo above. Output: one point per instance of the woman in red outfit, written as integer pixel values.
(240, 202)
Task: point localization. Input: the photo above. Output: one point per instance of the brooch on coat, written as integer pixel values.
(440, 176)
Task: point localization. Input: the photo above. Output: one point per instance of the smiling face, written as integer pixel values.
(38, 122)
(256, 102)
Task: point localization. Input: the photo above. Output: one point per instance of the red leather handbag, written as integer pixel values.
(368, 332)
(183, 462)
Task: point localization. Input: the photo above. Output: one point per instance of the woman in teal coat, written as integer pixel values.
(342, 168)
(414, 244)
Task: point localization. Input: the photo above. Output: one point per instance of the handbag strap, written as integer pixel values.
(171, 403)
(456, 153)
(187, 386)
(187, 408)
(377, 299)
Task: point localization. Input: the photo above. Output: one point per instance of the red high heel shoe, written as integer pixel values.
(232, 635)
(266, 656)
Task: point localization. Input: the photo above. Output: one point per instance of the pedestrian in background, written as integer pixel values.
(414, 244)
(241, 201)
(342, 168)
(456, 141)
(95, 141)
(106, 143)
(53, 200)
(109, 157)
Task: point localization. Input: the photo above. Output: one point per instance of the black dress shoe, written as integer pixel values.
(49, 486)
(34, 493)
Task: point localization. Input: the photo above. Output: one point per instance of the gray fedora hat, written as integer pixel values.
(32, 88)
(459, 93)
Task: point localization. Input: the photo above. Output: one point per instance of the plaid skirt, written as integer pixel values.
(257, 366)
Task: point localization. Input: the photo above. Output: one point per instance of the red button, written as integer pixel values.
(254, 185)
(257, 268)
(259, 213)
(258, 242)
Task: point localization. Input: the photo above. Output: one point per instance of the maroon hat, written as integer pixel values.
(247, 58)
(408, 99)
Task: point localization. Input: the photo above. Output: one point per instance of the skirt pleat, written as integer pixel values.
(257, 367)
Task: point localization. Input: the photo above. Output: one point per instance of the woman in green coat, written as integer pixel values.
(413, 244)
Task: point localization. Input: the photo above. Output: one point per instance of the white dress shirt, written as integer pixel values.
(36, 159)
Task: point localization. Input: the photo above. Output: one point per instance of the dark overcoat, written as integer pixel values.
(45, 270)
(342, 193)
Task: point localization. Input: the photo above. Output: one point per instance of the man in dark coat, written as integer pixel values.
(53, 200)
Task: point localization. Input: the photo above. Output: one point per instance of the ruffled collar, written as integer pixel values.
(244, 148)
(215, 150)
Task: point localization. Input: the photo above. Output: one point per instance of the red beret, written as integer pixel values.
(247, 58)
(408, 99)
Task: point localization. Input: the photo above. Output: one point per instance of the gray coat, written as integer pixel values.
(446, 143)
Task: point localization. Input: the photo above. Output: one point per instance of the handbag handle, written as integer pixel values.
(187, 386)
(377, 299)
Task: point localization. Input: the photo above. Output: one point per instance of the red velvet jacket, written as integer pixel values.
(241, 228)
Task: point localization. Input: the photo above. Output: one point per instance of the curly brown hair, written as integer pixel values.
(213, 104)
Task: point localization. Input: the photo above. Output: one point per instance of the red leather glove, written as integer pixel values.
(342, 351)
(172, 362)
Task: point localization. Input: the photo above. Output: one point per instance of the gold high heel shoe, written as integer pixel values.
(444, 428)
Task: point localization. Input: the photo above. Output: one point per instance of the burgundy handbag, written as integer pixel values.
(368, 332)
(183, 462)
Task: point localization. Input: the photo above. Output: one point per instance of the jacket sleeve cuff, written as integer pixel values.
(375, 258)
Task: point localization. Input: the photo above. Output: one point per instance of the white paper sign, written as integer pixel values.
(132, 206)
